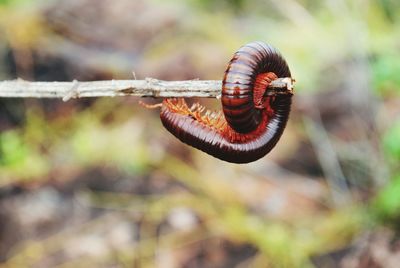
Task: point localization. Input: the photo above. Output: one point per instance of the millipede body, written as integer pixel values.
(251, 123)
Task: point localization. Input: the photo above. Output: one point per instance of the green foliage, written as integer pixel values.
(12, 149)
(391, 143)
(235, 5)
(5, 2)
(18, 159)
(386, 206)
(385, 73)
(391, 8)
(12, 2)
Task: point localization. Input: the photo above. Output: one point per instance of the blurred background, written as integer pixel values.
(100, 183)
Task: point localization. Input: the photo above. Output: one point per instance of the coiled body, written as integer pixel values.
(251, 123)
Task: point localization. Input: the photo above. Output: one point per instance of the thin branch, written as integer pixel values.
(149, 87)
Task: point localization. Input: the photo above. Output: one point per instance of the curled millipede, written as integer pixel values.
(251, 123)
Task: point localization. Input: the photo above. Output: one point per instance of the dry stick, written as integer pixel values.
(149, 87)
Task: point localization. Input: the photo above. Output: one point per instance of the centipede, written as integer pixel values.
(250, 123)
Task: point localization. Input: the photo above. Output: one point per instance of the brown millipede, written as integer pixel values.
(251, 123)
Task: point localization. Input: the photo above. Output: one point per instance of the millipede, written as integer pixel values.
(251, 122)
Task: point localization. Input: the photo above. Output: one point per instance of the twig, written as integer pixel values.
(149, 87)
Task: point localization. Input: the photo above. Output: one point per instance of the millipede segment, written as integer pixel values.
(251, 123)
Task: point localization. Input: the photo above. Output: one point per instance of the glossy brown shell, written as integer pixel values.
(245, 133)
